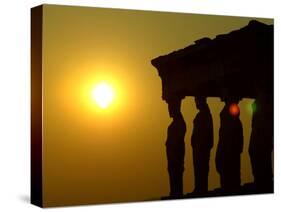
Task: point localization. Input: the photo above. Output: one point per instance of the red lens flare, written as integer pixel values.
(234, 109)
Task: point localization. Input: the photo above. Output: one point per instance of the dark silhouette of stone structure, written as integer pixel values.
(202, 141)
(230, 147)
(261, 143)
(175, 148)
(236, 65)
(237, 62)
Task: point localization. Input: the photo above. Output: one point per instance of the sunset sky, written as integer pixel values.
(117, 153)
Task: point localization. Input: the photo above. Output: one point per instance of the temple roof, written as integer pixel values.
(230, 64)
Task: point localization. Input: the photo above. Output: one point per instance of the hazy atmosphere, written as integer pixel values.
(99, 150)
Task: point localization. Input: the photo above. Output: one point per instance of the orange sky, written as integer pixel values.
(117, 154)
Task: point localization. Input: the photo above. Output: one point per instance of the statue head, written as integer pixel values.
(231, 99)
(174, 107)
(200, 102)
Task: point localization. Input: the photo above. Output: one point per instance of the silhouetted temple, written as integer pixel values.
(235, 63)
(231, 66)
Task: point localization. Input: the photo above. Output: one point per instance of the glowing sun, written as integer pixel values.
(103, 94)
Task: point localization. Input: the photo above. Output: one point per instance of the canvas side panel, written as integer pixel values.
(36, 105)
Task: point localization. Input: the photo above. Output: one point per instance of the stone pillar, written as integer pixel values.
(175, 148)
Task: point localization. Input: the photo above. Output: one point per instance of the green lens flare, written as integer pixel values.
(254, 107)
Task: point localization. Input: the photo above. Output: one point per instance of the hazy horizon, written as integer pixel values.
(118, 154)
